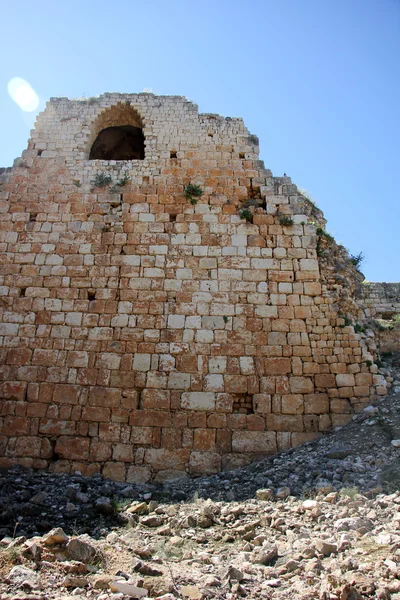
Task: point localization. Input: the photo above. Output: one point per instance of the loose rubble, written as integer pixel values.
(321, 521)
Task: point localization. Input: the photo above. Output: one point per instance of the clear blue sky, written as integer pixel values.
(317, 80)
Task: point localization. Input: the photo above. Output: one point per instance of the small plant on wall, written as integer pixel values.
(321, 233)
(123, 181)
(357, 259)
(192, 192)
(286, 221)
(246, 214)
(101, 180)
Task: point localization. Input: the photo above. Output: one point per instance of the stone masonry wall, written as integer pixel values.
(380, 299)
(145, 337)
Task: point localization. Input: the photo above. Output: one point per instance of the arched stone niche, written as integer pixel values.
(118, 135)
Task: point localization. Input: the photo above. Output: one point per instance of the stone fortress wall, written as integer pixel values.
(144, 337)
(380, 299)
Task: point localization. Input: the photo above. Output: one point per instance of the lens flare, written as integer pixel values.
(23, 94)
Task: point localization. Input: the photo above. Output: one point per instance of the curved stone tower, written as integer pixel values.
(150, 329)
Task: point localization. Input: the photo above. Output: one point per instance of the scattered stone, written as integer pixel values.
(338, 452)
(138, 508)
(354, 524)
(204, 522)
(102, 582)
(104, 506)
(24, 578)
(310, 504)
(56, 536)
(234, 574)
(325, 548)
(75, 567)
(282, 493)
(128, 588)
(71, 581)
(264, 555)
(238, 590)
(191, 591)
(152, 521)
(80, 550)
(340, 543)
(272, 583)
(350, 593)
(144, 569)
(265, 494)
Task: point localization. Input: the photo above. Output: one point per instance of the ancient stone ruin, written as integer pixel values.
(167, 305)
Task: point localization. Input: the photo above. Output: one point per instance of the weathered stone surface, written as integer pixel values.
(24, 578)
(254, 441)
(80, 549)
(54, 537)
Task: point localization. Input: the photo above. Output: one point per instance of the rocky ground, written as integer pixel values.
(320, 521)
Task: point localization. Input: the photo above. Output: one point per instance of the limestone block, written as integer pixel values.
(301, 385)
(316, 404)
(345, 380)
(138, 474)
(325, 381)
(156, 380)
(239, 240)
(204, 336)
(202, 463)
(262, 403)
(213, 383)
(166, 362)
(141, 362)
(246, 365)
(161, 458)
(204, 440)
(176, 321)
(73, 448)
(179, 381)
(277, 366)
(363, 379)
(293, 404)
(254, 441)
(217, 365)
(108, 360)
(198, 401)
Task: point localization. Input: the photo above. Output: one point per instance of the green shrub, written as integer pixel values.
(357, 259)
(246, 214)
(192, 192)
(285, 221)
(123, 181)
(322, 233)
(102, 180)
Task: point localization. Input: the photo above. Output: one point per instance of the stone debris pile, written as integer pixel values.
(320, 521)
(337, 545)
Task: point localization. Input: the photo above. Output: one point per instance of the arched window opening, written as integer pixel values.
(118, 143)
(118, 135)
